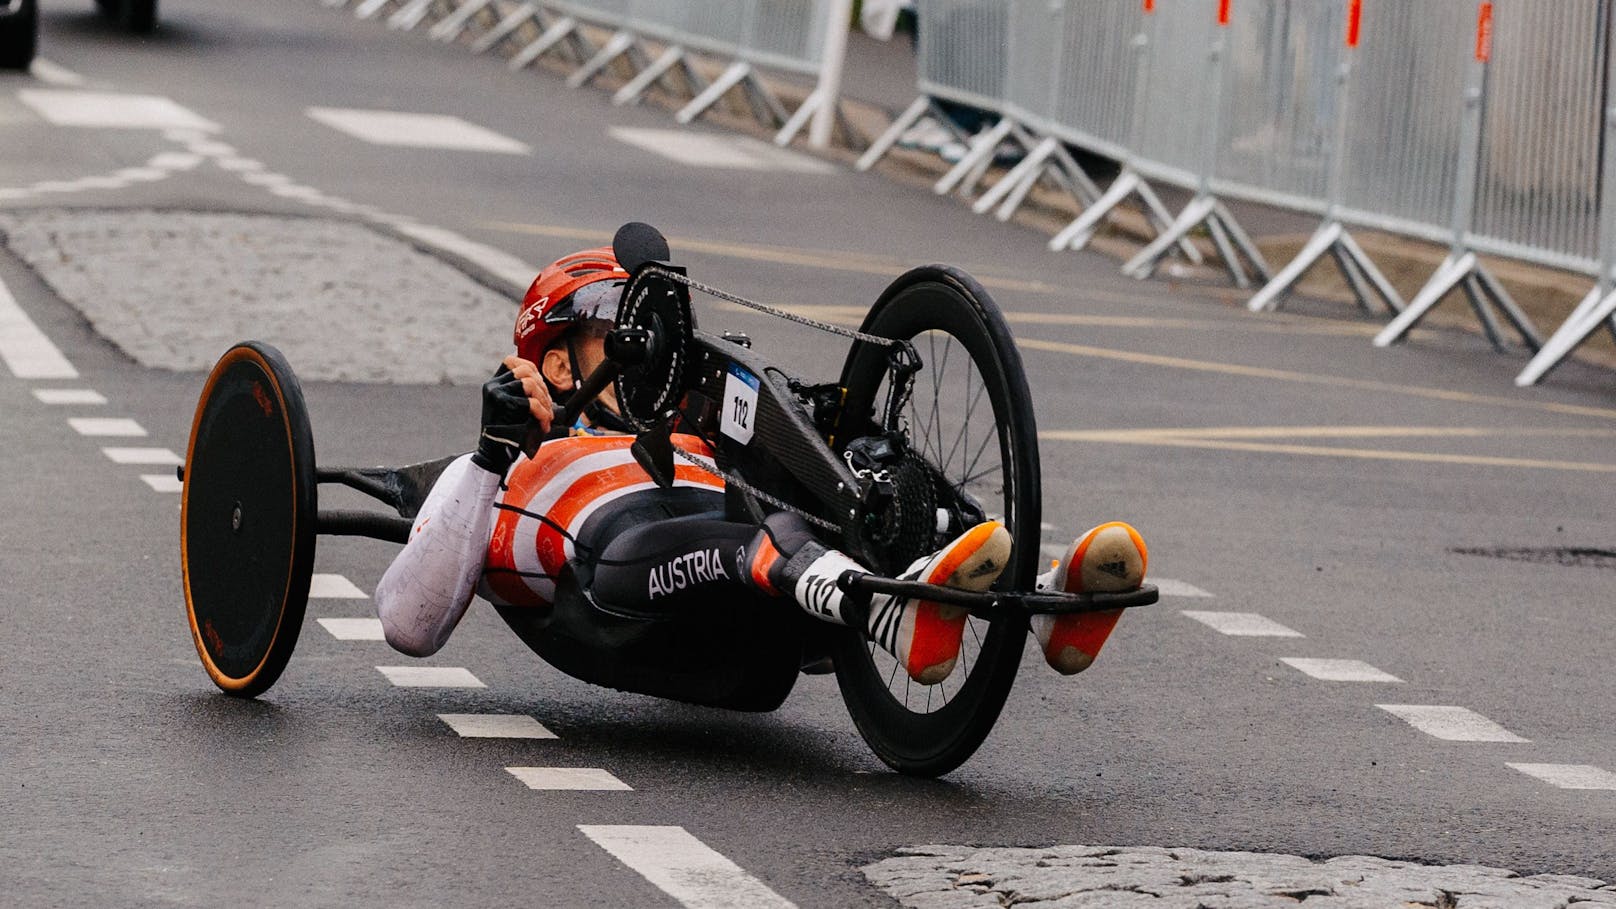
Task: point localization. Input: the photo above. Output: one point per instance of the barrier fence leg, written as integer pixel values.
(408, 16)
(765, 106)
(1082, 185)
(1244, 245)
(1464, 270)
(1478, 303)
(1322, 242)
(1027, 170)
(370, 8)
(1389, 297)
(1354, 276)
(982, 149)
(560, 30)
(794, 125)
(1194, 214)
(630, 93)
(1512, 311)
(507, 26)
(1447, 277)
(619, 44)
(1226, 250)
(456, 22)
(730, 78)
(1595, 310)
(883, 143)
(1367, 283)
(1077, 234)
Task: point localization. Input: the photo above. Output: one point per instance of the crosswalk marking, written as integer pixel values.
(162, 482)
(106, 426)
(589, 779)
(396, 128)
(54, 74)
(24, 348)
(1451, 724)
(1171, 588)
(496, 726)
(1569, 776)
(110, 110)
(1242, 624)
(353, 629)
(685, 868)
(699, 149)
(68, 396)
(430, 677)
(142, 456)
(333, 587)
(1339, 670)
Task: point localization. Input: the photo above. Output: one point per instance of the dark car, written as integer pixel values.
(19, 25)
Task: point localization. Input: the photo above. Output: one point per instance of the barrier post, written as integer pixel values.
(1462, 270)
(829, 92)
(1129, 182)
(1598, 308)
(1234, 245)
(1332, 238)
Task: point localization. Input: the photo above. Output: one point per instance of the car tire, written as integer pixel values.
(138, 16)
(19, 35)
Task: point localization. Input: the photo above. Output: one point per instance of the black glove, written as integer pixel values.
(506, 421)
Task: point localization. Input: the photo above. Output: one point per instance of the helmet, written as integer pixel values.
(566, 291)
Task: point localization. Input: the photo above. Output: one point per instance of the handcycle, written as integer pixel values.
(927, 430)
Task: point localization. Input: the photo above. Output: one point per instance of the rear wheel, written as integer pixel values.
(247, 519)
(19, 33)
(970, 418)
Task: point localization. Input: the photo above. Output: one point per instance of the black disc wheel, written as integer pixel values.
(247, 519)
(969, 418)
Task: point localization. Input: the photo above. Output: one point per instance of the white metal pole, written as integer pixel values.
(830, 72)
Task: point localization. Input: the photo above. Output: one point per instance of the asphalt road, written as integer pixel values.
(1277, 465)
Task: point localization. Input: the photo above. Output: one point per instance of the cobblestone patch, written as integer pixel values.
(344, 302)
(1112, 877)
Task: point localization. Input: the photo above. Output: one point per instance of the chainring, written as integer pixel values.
(648, 393)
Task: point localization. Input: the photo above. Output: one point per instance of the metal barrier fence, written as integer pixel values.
(1480, 124)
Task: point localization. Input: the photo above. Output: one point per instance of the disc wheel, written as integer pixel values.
(970, 417)
(247, 519)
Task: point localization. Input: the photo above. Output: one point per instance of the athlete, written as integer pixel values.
(582, 511)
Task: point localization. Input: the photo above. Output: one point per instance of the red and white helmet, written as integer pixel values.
(570, 289)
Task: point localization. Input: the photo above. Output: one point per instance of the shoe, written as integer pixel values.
(1110, 558)
(926, 636)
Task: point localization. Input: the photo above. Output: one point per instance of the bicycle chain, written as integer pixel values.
(728, 297)
(755, 492)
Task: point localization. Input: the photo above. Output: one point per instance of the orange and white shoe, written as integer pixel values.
(1108, 559)
(926, 636)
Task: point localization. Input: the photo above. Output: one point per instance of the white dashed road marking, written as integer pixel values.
(54, 74)
(500, 263)
(698, 149)
(356, 629)
(1242, 624)
(68, 396)
(110, 110)
(1339, 670)
(106, 426)
(1452, 724)
(569, 778)
(24, 348)
(685, 868)
(1172, 588)
(430, 677)
(384, 127)
(142, 456)
(334, 587)
(496, 726)
(1570, 776)
(162, 482)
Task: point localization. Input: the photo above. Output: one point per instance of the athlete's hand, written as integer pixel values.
(514, 400)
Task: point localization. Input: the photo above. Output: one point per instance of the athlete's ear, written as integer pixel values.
(556, 368)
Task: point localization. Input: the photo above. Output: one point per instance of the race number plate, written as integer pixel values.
(740, 404)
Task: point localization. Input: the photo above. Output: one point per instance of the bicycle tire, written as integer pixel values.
(925, 301)
(248, 519)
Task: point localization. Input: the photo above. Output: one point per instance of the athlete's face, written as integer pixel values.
(589, 345)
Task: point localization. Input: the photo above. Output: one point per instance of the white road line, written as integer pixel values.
(69, 396)
(24, 348)
(496, 726)
(1452, 724)
(162, 482)
(501, 264)
(110, 110)
(1172, 588)
(54, 74)
(334, 587)
(685, 868)
(699, 149)
(142, 456)
(355, 629)
(175, 161)
(1570, 776)
(1242, 624)
(430, 677)
(569, 778)
(106, 426)
(397, 128)
(1339, 670)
